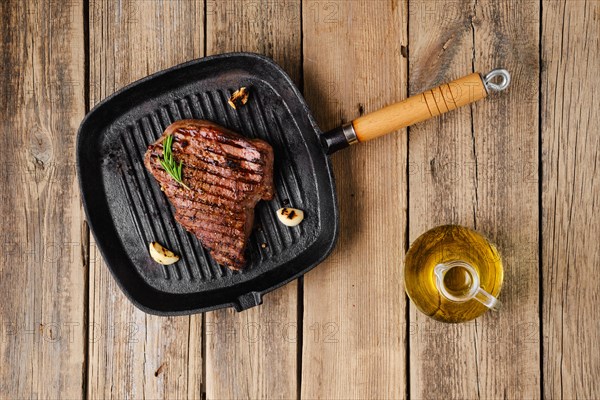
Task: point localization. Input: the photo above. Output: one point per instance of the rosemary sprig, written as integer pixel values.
(169, 164)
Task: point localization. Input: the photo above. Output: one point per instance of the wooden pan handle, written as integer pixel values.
(415, 109)
(420, 107)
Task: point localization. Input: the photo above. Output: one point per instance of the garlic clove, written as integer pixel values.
(162, 255)
(238, 98)
(290, 216)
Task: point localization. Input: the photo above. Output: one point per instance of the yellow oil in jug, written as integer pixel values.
(442, 245)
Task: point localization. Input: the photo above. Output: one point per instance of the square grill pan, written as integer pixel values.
(126, 209)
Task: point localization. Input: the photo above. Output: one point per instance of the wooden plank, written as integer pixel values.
(478, 167)
(253, 354)
(41, 272)
(131, 354)
(570, 116)
(354, 303)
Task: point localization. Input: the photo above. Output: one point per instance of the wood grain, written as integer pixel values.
(132, 354)
(570, 116)
(354, 303)
(253, 354)
(41, 272)
(478, 167)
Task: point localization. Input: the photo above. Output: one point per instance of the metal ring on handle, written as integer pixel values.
(488, 80)
(350, 133)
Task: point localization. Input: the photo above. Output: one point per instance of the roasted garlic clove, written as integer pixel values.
(290, 216)
(162, 255)
(239, 97)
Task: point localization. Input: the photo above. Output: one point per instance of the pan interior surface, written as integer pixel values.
(126, 209)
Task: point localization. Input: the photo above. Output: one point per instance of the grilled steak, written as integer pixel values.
(227, 175)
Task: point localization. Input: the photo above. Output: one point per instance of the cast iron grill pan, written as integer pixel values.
(126, 209)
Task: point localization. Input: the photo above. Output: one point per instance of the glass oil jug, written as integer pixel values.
(453, 274)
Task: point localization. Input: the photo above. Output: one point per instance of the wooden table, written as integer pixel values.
(521, 167)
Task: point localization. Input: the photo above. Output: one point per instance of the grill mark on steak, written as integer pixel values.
(213, 226)
(204, 215)
(207, 176)
(218, 212)
(215, 244)
(174, 193)
(213, 132)
(227, 175)
(193, 161)
(223, 149)
(216, 199)
(228, 183)
(225, 243)
(224, 259)
(221, 161)
(229, 248)
(232, 256)
(208, 187)
(210, 138)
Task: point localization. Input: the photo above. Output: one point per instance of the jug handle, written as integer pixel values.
(487, 299)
